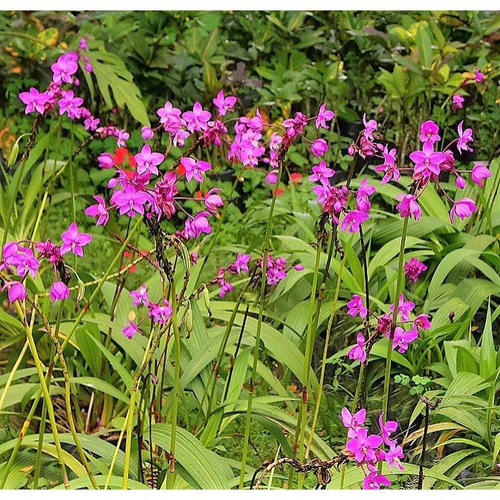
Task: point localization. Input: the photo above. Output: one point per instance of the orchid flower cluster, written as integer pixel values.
(20, 259)
(429, 164)
(158, 312)
(60, 94)
(276, 270)
(133, 193)
(368, 450)
(406, 330)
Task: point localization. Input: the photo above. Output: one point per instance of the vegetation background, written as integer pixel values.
(400, 68)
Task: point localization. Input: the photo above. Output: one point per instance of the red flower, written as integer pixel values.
(120, 155)
(296, 177)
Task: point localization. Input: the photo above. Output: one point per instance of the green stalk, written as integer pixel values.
(399, 289)
(12, 373)
(265, 253)
(310, 338)
(43, 418)
(325, 354)
(67, 392)
(222, 349)
(175, 391)
(152, 345)
(46, 395)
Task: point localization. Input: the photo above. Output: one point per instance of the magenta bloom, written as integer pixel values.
(147, 133)
(224, 104)
(73, 241)
(429, 132)
(70, 105)
(130, 201)
(357, 307)
(319, 147)
(197, 225)
(413, 269)
(170, 117)
(160, 313)
(9, 254)
(83, 44)
(23, 260)
(393, 456)
(464, 137)
(358, 351)
(365, 190)
(390, 427)
(353, 422)
(122, 136)
(16, 291)
(47, 249)
(427, 161)
(389, 167)
(197, 120)
(213, 200)
(106, 160)
(321, 173)
(249, 154)
(374, 480)
(363, 447)
(130, 330)
(370, 127)
(460, 182)
(402, 338)
(462, 209)
(275, 271)
(240, 264)
(324, 115)
(422, 321)
(405, 307)
(140, 296)
(408, 206)
(353, 220)
(225, 287)
(98, 211)
(194, 169)
(65, 67)
(479, 77)
(34, 100)
(59, 291)
(148, 161)
(457, 102)
(271, 177)
(479, 172)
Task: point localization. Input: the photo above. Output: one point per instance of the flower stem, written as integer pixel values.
(399, 289)
(46, 395)
(175, 390)
(310, 338)
(263, 282)
(325, 354)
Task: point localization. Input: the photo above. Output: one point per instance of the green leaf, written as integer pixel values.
(487, 355)
(424, 47)
(201, 468)
(116, 84)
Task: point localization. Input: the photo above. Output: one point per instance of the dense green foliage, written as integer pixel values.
(402, 69)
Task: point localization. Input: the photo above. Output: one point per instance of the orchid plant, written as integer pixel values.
(155, 195)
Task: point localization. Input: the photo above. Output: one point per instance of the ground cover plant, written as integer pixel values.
(249, 250)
